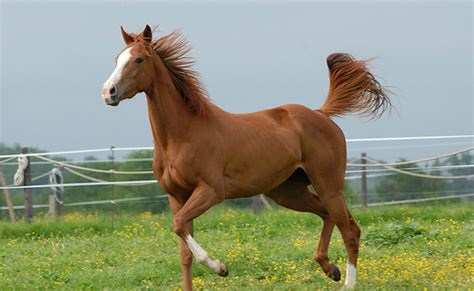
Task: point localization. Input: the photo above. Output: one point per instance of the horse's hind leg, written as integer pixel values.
(294, 194)
(329, 187)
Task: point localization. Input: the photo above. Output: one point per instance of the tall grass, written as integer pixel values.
(419, 246)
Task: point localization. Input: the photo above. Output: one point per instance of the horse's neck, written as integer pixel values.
(168, 115)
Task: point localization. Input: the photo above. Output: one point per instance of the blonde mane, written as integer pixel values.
(174, 50)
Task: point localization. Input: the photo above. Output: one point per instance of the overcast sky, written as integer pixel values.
(55, 57)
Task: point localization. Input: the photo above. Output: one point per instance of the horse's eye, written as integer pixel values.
(138, 60)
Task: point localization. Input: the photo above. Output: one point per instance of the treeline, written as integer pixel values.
(134, 161)
(391, 186)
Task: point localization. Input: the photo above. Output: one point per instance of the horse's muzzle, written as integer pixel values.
(116, 103)
(110, 95)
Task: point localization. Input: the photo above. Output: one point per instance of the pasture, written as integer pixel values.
(425, 246)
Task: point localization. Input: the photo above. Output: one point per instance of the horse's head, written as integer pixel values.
(134, 68)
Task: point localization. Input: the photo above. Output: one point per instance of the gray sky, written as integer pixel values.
(55, 57)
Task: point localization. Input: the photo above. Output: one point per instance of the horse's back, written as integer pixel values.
(311, 124)
(264, 148)
(314, 129)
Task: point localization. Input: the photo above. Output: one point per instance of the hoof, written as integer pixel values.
(335, 274)
(224, 272)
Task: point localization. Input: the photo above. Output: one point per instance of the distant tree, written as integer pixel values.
(134, 161)
(350, 195)
(402, 186)
(460, 185)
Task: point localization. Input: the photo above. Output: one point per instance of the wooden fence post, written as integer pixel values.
(52, 206)
(256, 204)
(363, 180)
(55, 204)
(3, 183)
(57, 199)
(27, 191)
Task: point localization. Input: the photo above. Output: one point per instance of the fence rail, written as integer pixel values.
(378, 169)
(349, 140)
(150, 198)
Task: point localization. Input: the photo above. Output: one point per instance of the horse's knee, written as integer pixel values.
(351, 238)
(358, 232)
(356, 229)
(353, 243)
(179, 226)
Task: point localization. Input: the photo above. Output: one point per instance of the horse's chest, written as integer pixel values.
(174, 182)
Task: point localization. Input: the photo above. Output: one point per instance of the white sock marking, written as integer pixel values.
(203, 257)
(351, 273)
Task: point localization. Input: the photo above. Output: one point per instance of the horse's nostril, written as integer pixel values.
(112, 91)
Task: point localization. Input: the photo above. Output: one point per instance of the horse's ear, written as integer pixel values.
(126, 37)
(147, 33)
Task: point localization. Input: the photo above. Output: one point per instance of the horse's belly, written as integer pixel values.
(261, 164)
(257, 180)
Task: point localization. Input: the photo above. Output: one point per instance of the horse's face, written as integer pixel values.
(134, 69)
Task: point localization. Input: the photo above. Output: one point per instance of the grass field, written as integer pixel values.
(402, 247)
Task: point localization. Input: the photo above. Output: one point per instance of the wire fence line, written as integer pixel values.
(95, 202)
(112, 149)
(406, 146)
(419, 200)
(100, 182)
(9, 162)
(123, 160)
(422, 175)
(383, 169)
(377, 164)
(357, 177)
(405, 138)
(83, 175)
(109, 171)
(118, 183)
(348, 177)
(373, 163)
(417, 193)
(153, 198)
(413, 168)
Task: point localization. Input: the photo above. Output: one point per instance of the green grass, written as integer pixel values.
(402, 247)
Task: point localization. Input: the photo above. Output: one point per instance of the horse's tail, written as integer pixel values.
(353, 89)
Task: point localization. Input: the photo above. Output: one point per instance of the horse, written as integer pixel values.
(203, 154)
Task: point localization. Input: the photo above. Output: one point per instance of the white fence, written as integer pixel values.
(375, 170)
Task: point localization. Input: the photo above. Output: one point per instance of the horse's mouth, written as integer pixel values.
(112, 102)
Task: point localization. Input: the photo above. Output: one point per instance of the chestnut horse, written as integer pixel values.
(203, 154)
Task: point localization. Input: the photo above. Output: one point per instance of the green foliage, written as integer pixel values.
(135, 161)
(461, 184)
(401, 186)
(15, 149)
(429, 247)
(350, 195)
(395, 233)
(387, 188)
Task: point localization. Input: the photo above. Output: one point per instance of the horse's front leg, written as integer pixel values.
(203, 198)
(186, 255)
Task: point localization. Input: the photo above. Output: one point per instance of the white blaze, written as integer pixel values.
(121, 62)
